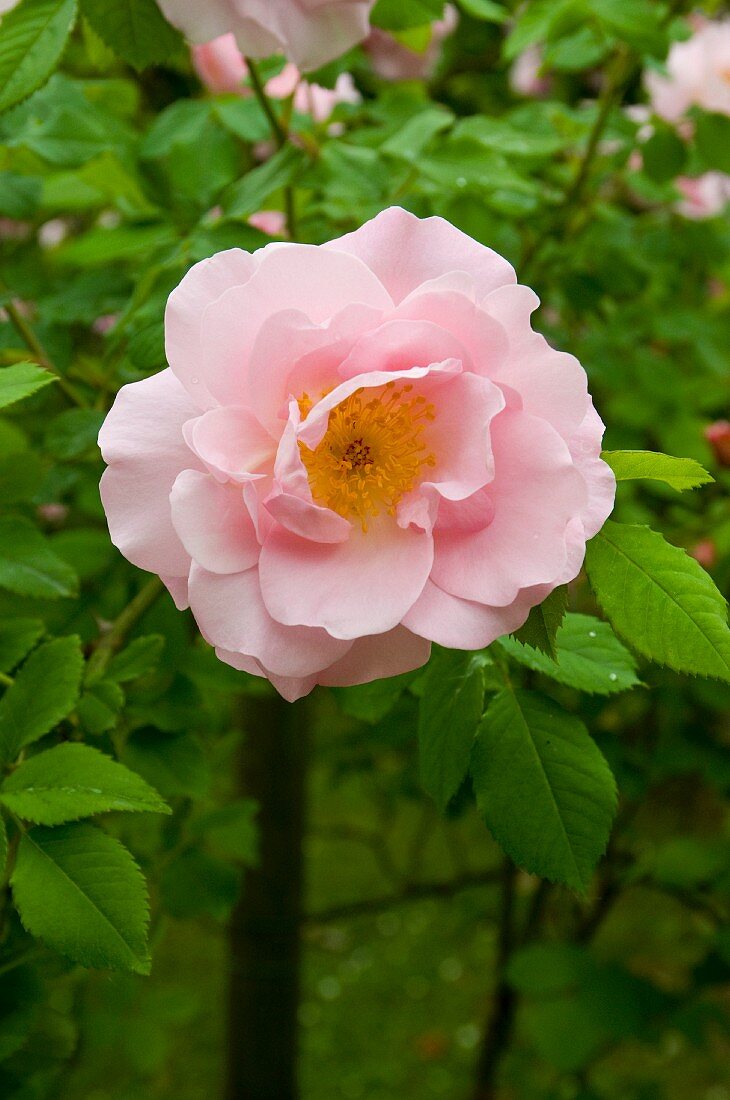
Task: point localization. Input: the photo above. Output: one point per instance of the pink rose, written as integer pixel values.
(718, 436)
(704, 196)
(272, 222)
(359, 448)
(698, 74)
(220, 64)
(221, 67)
(705, 552)
(525, 76)
(308, 32)
(394, 61)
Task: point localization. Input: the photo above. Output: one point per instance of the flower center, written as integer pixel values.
(372, 452)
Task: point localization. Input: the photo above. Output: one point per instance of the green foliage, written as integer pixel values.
(138, 659)
(542, 624)
(17, 638)
(588, 657)
(22, 380)
(81, 892)
(680, 473)
(172, 762)
(452, 700)
(43, 693)
(134, 29)
(112, 185)
(543, 787)
(660, 600)
(28, 566)
(71, 781)
(399, 15)
(713, 140)
(34, 35)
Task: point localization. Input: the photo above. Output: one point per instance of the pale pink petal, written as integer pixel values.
(552, 384)
(289, 687)
(231, 443)
(362, 586)
(404, 251)
(463, 624)
(432, 377)
(535, 492)
(219, 64)
(377, 656)
(483, 336)
(199, 22)
(178, 589)
(585, 447)
(231, 615)
(459, 438)
(205, 282)
(293, 356)
(400, 345)
(299, 277)
(213, 523)
(142, 443)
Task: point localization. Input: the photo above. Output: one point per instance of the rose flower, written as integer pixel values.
(309, 32)
(358, 448)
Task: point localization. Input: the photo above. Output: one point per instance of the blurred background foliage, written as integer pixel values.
(115, 179)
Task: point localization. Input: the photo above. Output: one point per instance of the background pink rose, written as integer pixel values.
(221, 67)
(308, 32)
(698, 74)
(394, 61)
(703, 196)
(358, 449)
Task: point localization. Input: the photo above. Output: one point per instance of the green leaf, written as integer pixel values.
(71, 781)
(543, 788)
(371, 702)
(543, 622)
(398, 15)
(19, 195)
(17, 637)
(33, 38)
(230, 830)
(660, 600)
(250, 193)
(74, 432)
(451, 706)
(664, 155)
(486, 10)
(712, 135)
(680, 473)
(28, 566)
(21, 380)
(589, 657)
(44, 692)
(137, 659)
(81, 892)
(536, 22)
(135, 29)
(174, 763)
(195, 884)
(3, 847)
(21, 476)
(99, 706)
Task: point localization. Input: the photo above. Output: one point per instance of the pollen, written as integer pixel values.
(372, 453)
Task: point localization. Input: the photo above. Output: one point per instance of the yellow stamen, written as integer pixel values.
(372, 452)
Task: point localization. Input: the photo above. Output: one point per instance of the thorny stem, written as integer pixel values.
(280, 134)
(32, 341)
(124, 622)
